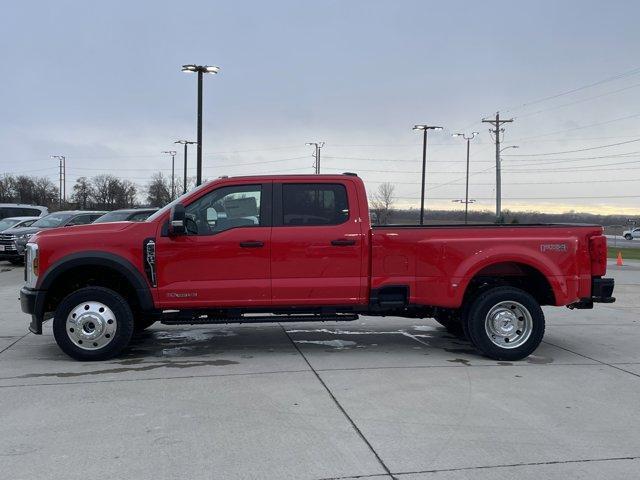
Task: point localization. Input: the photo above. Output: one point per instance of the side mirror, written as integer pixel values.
(176, 220)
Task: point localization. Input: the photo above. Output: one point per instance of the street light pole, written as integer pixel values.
(424, 129)
(184, 179)
(318, 146)
(466, 195)
(200, 70)
(173, 171)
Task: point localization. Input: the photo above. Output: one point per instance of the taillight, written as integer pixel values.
(598, 253)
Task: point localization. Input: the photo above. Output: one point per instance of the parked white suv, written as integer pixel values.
(21, 210)
(631, 234)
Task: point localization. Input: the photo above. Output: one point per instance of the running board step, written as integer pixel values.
(182, 319)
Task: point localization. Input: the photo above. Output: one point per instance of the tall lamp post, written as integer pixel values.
(200, 70)
(425, 129)
(318, 146)
(466, 192)
(184, 180)
(63, 178)
(499, 181)
(173, 171)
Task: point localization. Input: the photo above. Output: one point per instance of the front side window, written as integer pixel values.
(223, 209)
(314, 204)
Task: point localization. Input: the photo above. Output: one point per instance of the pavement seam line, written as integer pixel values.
(488, 467)
(593, 359)
(340, 407)
(13, 343)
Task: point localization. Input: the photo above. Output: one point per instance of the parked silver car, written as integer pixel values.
(8, 227)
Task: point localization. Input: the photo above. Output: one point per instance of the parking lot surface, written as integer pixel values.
(376, 398)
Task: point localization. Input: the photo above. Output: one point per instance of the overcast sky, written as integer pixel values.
(100, 82)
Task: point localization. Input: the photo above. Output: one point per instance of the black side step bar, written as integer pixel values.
(182, 318)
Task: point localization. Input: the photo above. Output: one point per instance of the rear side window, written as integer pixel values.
(314, 204)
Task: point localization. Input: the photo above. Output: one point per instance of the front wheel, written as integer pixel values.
(505, 323)
(628, 236)
(93, 323)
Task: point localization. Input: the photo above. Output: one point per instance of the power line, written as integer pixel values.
(572, 151)
(628, 73)
(582, 100)
(635, 115)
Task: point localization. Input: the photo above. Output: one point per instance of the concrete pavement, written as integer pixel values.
(376, 398)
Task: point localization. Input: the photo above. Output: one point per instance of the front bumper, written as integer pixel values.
(32, 303)
(601, 292)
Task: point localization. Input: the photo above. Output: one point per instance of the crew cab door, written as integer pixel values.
(223, 260)
(316, 244)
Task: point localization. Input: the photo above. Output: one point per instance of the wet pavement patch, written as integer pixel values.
(139, 368)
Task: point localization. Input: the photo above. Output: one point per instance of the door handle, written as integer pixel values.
(252, 244)
(343, 242)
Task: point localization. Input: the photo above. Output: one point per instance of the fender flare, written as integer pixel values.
(102, 259)
(551, 273)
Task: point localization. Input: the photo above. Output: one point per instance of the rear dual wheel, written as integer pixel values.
(504, 323)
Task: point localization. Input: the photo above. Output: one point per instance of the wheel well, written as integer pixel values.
(519, 275)
(94, 276)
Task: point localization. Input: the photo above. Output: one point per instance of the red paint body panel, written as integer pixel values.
(299, 266)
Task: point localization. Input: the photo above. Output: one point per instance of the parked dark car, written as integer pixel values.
(127, 215)
(16, 241)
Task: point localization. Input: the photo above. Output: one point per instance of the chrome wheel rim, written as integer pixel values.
(508, 324)
(91, 325)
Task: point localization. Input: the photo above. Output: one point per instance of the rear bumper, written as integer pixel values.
(601, 292)
(32, 303)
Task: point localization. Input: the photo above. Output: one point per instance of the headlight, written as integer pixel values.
(31, 265)
(24, 236)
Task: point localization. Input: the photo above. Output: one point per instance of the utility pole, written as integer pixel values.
(496, 131)
(318, 146)
(173, 171)
(62, 189)
(466, 194)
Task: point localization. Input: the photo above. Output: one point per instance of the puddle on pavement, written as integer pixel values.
(139, 368)
(537, 360)
(463, 361)
(337, 344)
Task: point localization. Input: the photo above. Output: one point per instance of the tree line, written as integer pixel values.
(100, 192)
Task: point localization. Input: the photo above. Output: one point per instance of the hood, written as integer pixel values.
(90, 228)
(22, 230)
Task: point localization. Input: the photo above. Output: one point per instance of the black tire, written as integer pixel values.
(450, 320)
(628, 236)
(142, 323)
(477, 317)
(121, 324)
(18, 261)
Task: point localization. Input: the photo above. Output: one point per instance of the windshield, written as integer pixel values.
(52, 220)
(168, 206)
(7, 223)
(116, 216)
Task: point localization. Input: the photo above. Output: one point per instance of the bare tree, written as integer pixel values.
(382, 202)
(44, 192)
(158, 191)
(82, 192)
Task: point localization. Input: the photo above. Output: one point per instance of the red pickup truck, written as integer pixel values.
(301, 248)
